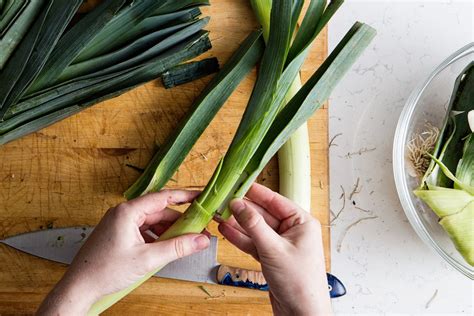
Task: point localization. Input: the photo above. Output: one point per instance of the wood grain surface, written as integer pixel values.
(72, 172)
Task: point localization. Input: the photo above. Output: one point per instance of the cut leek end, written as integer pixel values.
(455, 208)
(444, 201)
(460, 228)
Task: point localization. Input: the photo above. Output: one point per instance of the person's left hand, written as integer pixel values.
(118, 253)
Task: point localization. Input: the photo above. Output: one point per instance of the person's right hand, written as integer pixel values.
(287, 241)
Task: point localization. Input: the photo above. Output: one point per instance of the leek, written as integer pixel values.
(55, 21)
(129, 43)
(92, 91)
(294, 158)
(448, 184)
(165, 162)
(12, 32)
(74, 40)
(266, 124)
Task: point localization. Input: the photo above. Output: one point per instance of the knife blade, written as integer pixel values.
(62, 244)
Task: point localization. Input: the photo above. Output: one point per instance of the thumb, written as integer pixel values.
(163, 252)
(262, 235)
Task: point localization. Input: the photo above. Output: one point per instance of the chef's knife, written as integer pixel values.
(62, 244)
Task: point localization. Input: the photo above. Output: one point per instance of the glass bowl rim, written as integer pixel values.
(399, 158)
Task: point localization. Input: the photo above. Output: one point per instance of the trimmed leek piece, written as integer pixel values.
(188, 72)
(448, 185)
(266, 124)
(115, 47)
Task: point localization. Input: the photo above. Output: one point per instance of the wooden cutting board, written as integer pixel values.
(71, 173)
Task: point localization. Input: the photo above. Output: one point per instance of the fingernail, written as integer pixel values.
(237, 206)
(200, 242)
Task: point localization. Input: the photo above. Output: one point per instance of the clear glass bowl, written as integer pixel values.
(428, 104)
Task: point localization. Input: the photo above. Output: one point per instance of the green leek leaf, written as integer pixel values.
(17, 63)
(457, 183)
(308, 25)
(169, 157)
(142, 49)
(38, 124)
(127, 19)
(259, 109)
(153, 24)
(81, 99)
(55, 22)
(74, 40)
(172, 5)
(13, 35)
(123, 59)
(464, 95)
(98, 87)
(448, 149)
(295, 13)
(12, 11)
(310, 97)
(294, 65)
(259, 113)
(465, 169)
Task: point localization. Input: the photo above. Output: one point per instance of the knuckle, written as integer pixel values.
(179, 248)
(121, 210)
(253, 220)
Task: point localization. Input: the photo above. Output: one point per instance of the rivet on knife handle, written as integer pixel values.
(255, 280)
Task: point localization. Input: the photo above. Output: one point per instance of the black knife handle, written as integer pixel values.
(255, 280)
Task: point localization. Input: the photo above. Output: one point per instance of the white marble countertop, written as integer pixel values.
(384, 265)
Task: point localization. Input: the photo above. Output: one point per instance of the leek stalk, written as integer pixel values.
(294, 157)
(165, 162)
(266, 124)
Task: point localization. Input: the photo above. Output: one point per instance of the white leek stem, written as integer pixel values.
(294, 162)
(295, 169)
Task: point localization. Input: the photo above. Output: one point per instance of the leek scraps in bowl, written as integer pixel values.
(447, 166)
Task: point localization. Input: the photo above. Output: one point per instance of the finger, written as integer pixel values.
(269, 218)
(238, 239)
(166, 215)
(161, 227)
(151, 203)
(161, 253)
(262, 235)
(233, 222)
(277, 205)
